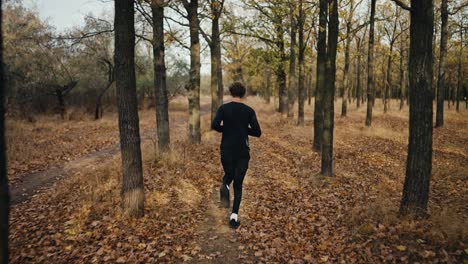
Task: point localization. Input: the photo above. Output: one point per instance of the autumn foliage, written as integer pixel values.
(289, 212)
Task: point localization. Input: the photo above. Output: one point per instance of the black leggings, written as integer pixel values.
(235, 170)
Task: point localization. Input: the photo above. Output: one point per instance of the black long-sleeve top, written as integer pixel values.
(239, 121)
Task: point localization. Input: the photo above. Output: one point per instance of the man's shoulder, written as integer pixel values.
(250, 109)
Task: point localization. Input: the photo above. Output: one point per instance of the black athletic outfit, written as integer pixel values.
(239, 122)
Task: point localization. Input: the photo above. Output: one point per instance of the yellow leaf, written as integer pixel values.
(401, 248)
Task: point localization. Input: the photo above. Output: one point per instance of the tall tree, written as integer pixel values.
(359, 42)
(443, 55)
(193, 86)
(344, 103)
(350, 32)
(459, 69)
(370, 67)
(4, 191)
(214, 42)
(403, 65)
(292, 85)
(419, 162)
(321, 75)
(132, 183)
(302, 46)
(280, 70)
(160, 88)
(329, 92)
(392, 37)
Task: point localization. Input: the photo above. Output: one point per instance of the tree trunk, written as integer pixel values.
(329, 93)
(194, 82)
(460, 71)
(160, 88)
(4, 191)
(132, 183)
(321, 78)
(110, 81)
(419, 162)
(216, 63)
(402, 73)
(98, 110)
(388, 86)
(358, 77)
(441, 73)
(280, 72)
(268, 86)
(344, 104)
(292, 85)
(370, 67)
(309, 89)
(61, 102)
(302, 91)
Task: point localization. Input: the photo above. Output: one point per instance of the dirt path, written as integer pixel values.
(34, 183)
(216, 240)
(31, 184)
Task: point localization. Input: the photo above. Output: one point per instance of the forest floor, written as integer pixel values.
(289, 213)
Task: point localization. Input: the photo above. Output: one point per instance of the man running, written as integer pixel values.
(237, 122)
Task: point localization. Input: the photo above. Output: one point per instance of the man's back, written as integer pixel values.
(238, 122)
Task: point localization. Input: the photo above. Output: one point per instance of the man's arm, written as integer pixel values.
(216, 123)
(254, 129)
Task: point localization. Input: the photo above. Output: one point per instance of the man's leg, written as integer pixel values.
(240, 170)
(229, 169)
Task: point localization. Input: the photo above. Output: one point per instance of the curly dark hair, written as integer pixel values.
(237, 89)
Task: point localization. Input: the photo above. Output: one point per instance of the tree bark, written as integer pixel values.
(302, 92)
(160, 88)
(460, 71)
(132, 183)
(268, 86)
(98, 110)
(358, 77)
(193, 86)
(344, 104)
(4, 190)
(419, 162)
(61, 102)
(370, 67)
(388, 84)
(309, 89)
(292, 85)
(442, 59)
(280, 71)
(216, 63)
(329, 92)
(321, 75)
(110, 81)
(402, 73)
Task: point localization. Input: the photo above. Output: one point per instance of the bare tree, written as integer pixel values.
(329, 92)
(302, 46)
(292, 85)
(132, 183)
(4, 192)
(321, 75)
(419, 162)
(193, 86)
(370, 67)
(214, 42)
(160, 87)
(443, 55)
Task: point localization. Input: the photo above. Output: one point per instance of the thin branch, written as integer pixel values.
(458, 8)
(402, 5)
